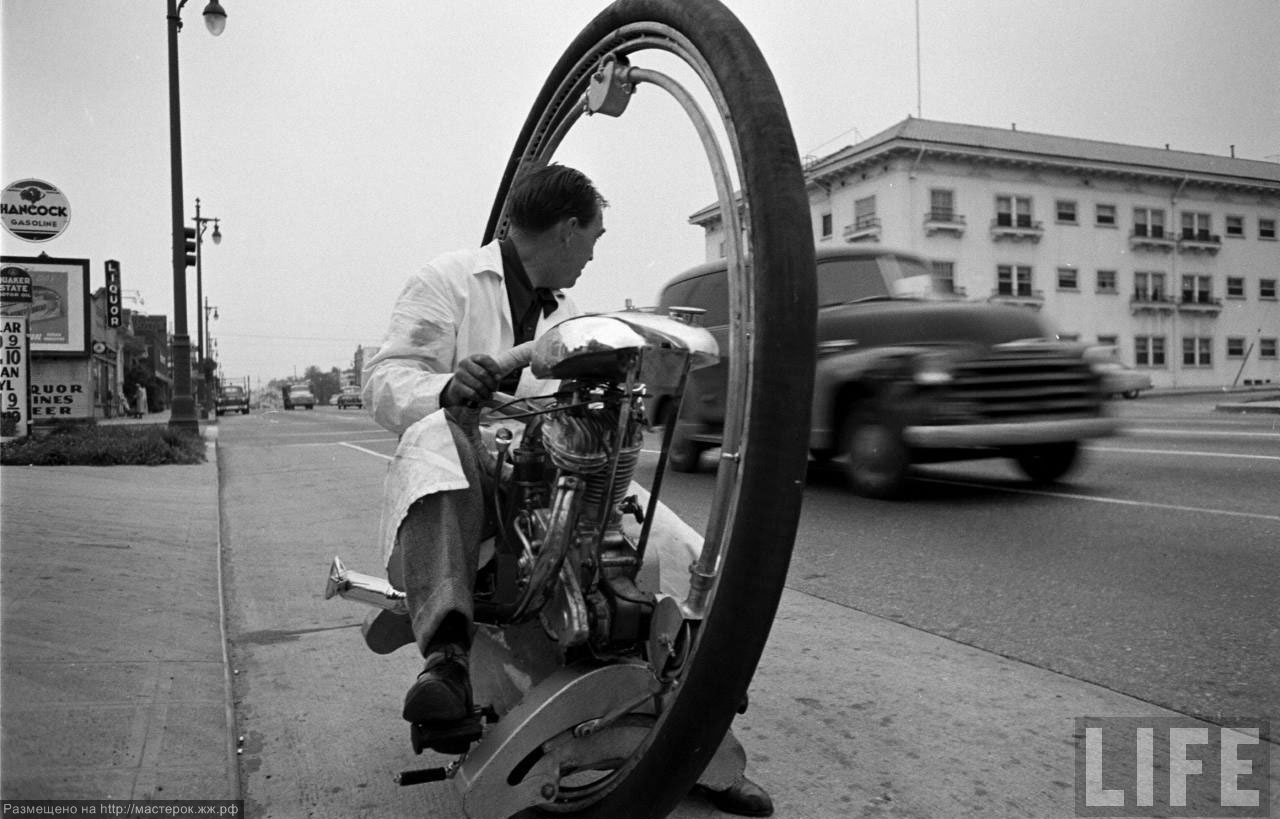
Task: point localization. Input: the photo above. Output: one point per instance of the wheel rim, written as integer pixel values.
(782, 245)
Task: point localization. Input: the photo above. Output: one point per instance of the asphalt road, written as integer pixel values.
(1153, 572)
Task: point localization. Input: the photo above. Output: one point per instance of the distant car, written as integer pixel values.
(350, 399)
(1117, 377)
(300, 397)
(232, 399)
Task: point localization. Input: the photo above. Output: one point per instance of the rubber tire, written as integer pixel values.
(878, 461)
(765, 490)
(1046, 463)
(685, 455)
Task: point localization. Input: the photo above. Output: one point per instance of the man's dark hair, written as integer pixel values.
(541, 198)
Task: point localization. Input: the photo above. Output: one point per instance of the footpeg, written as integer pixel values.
(422, 777)
(453, 737)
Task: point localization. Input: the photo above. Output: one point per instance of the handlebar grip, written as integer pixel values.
(515, 358)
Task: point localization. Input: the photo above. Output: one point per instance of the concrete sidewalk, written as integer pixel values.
(114, 679)
(113, 672)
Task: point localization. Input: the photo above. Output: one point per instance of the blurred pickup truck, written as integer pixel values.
(232, 398)
(297, 396)
(906, 374)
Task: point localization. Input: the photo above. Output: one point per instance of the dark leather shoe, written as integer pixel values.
(442, 692)
(744, 798)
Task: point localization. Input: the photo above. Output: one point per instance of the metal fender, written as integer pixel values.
(835, 370)
(566, 721)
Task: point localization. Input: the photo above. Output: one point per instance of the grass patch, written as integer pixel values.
(114, 445)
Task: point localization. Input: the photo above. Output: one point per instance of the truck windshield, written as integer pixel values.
(841, 281)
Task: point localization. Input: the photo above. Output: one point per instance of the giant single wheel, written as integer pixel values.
(756, 500)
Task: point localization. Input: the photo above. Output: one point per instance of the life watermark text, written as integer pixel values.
(1171, 766)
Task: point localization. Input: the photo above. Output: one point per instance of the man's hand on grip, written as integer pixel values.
(474, 380)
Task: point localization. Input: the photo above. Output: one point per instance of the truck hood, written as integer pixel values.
(900, 322)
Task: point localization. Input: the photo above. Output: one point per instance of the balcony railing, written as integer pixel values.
(863, 229)
(1200, 303)
(1151, 237)
(943, 221)
(1005, 227)
(1022, 296)
(1199, 241)
(1151, 302)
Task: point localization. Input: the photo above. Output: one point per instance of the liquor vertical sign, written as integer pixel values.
(15, 302)
(113, 293)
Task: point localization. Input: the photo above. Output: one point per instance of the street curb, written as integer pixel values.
(233, 761)
(1261, 407)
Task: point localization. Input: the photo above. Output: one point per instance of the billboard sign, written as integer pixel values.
(58, 313)
(34, 210)
(15, 416)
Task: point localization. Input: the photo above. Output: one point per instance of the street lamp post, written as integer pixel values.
(201, 223)
(209, 339)
(183, 414)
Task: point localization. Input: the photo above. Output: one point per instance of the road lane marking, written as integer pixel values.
(1193, 433)
(362, 449)
(1172, 507)
(1184, 452)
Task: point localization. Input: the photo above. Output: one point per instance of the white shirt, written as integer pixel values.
(455, 307)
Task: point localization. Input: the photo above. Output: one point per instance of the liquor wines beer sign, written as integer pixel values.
(34, 210)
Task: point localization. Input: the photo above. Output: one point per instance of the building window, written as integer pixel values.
(944, 276)
(1105, 215)
(1267, 348)
(1235, 226)
(722, 250)
(826, 225)
(942, 205)
(1106, 281)
(1266, 288)
(1266, 228)
(1197, 351)
(864, 213)
(1066, 209)
(1196, 226)
(1148, 222)
(1197, 289)
(1013, 211)
(1013, 280)
(1148, 351)
(1148, 285)
(1109, 341)
(1068, 278)
(1235, 347)
(1235, 287)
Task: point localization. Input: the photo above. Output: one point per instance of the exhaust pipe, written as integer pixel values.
(364, 588)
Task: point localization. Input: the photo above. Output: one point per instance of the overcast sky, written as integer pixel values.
(342, 144)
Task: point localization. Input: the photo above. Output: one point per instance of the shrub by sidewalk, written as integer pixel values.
(93, 445)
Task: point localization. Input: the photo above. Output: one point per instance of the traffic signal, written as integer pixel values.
(189, 235)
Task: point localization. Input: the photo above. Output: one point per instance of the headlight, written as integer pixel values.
(934, 368)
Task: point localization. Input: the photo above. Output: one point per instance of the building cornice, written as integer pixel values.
(921, 141)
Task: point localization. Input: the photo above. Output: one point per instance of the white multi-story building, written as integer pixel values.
(1173, 257)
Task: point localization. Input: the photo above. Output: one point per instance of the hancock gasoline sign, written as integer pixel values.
(34, 210)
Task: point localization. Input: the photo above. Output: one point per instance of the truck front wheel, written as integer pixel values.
(876, 459)
(1047, 463)
(685, 453)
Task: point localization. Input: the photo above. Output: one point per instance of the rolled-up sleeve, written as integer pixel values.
(404, 379)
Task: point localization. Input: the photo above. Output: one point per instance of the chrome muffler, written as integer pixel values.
(364, 588)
